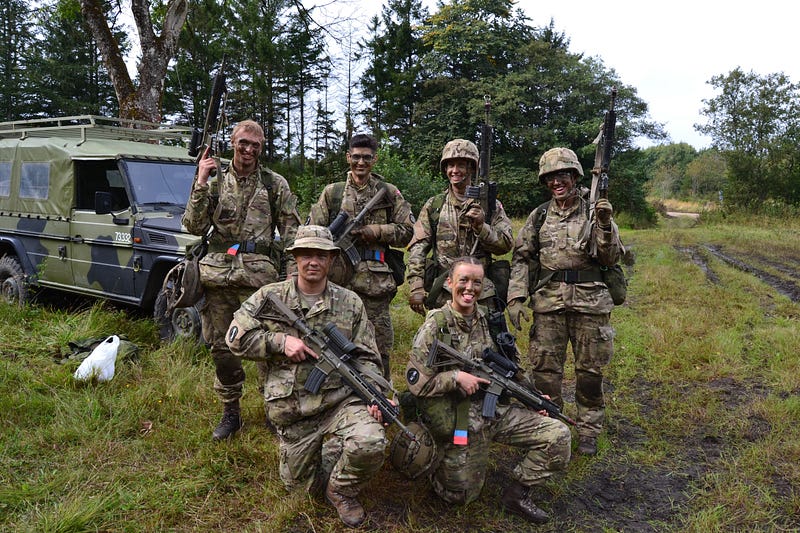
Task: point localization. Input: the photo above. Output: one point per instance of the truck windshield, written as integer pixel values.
(159, 183)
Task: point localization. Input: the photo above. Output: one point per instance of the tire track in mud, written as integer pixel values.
(788, 288)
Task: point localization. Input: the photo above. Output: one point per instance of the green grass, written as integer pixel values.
(703, 386)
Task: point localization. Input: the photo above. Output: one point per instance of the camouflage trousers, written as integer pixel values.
(592, 340)
(215, 316)
(461, 473)
(357, 454)
(378, 313)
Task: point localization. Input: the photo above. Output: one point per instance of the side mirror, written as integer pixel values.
(102, 202)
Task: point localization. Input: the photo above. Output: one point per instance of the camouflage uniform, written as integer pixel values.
(303, 420)
(372, 279)
(239, 210)
(460, 476)
(455, 238)
(578, 313)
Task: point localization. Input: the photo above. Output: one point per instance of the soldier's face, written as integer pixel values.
(246, 149)
(312, 264)
(560, 184)
(459, 173)
(361, 161)
(466, 284)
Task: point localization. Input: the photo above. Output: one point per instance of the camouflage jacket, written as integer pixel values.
(468, 337)
(561, 244)
(240, 211)
(371, 278)
(258, 332)
(454, 237)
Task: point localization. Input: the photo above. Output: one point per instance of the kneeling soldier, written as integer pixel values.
(452, 403)
(303, 420)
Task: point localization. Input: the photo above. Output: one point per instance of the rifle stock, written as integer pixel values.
(499, 371)
(343, 224)
(335, 351)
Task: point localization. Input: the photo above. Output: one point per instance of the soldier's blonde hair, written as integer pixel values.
(250, 126)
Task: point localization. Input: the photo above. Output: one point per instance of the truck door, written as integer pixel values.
(101, 241)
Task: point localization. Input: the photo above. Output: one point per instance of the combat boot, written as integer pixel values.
(587, 445)
(351, 513)
(515, 499)
(231, 421)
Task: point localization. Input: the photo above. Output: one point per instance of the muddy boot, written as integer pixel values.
(351, 513)
(231, 421)
(515, 499)
(587, 445)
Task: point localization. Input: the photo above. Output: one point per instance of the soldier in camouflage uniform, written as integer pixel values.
(243, 206)
(460, 475)
(571, 303)
(304, 420)
(390, 223)
(449, 226)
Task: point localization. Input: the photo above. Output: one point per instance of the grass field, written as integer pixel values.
(703, 429)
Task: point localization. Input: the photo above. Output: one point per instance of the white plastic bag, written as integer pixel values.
(100, 362)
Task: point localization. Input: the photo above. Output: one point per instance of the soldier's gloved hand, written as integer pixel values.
(476, 217)
(517, 312)
(370, 233)
(416, 298)
(603, 210)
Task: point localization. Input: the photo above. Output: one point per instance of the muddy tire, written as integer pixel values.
(184, 321)
(13, 287)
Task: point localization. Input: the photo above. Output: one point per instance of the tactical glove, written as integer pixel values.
(369, 234)
(517, 312)
(603, 210)
(416, 298)
(476, 217)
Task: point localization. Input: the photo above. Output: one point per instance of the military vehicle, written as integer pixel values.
(92, 205)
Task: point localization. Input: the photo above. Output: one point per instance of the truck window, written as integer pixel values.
(93, 176)
(34, 182)
(5, 179)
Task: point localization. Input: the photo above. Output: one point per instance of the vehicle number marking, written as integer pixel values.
(121, 236)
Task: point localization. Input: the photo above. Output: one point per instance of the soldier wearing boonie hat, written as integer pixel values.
(303, 420)
(313, 237)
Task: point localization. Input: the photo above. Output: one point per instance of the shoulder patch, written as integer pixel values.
(412, 375)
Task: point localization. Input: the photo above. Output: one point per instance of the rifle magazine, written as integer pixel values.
(315, 380)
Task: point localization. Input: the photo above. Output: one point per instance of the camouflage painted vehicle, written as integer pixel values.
(93, 205)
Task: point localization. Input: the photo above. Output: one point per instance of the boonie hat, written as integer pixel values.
(313, 237)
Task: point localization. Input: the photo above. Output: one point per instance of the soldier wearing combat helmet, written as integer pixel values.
(552, 266)
(449, 226)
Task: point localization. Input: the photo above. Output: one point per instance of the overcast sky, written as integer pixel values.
(669, 50)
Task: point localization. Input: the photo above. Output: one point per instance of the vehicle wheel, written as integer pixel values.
(13, 287)
(184, 322)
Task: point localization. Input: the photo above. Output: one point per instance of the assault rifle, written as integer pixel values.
(343, 224)
(209, 137)
(486, 191)
(500, 372)
(602, 154)
(335, 352)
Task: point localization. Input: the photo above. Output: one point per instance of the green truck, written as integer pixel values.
(92, 205)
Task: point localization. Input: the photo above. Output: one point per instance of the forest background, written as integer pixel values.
(412, 77)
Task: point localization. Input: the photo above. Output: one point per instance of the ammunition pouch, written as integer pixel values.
(395, 259)
(614, 278)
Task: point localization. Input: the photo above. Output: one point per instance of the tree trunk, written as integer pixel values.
(140, 101)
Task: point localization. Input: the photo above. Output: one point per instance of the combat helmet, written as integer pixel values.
(556, 159)
(414, 458)
(459, 149)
